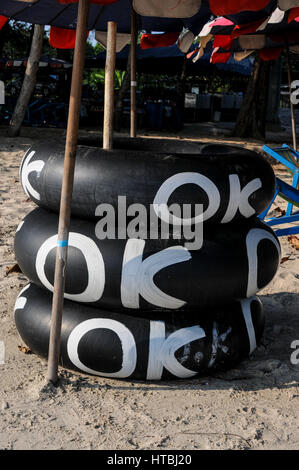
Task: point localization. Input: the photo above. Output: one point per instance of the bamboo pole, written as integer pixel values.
(67, 189)
(109, 86)
(291, 103)
(133, 123)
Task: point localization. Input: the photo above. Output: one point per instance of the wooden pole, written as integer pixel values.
(67, 189)
(291, 104)
(133, 124)
(109, 86)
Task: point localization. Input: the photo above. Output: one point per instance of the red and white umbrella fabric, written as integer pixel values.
(269, 42)
(168, 16)
(281, 28)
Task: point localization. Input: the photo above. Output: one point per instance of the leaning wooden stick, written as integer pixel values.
(109, 86)
(291, 103)
(67, 189)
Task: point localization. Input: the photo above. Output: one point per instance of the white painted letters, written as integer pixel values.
(126, 338)
(94, 262)
(174, 182)
(254, 237)
(26, 169)
(138, 274)
(162, 350)
(246, 309)
(239, 198)
(21, 301)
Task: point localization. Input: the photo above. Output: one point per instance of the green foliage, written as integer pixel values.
(97, 49)
(119, 78)
(97, 78)
(15, 40)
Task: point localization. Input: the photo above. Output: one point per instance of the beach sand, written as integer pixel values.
(254, 406)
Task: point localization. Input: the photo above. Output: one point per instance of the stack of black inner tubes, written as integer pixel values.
(156, 307)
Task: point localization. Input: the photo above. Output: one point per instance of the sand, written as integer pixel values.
(254, 406)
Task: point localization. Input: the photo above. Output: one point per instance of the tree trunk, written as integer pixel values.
(30, 40)
(121, 95)
(28, 83)
(251, 121)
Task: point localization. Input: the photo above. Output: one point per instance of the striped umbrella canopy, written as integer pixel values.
(53, 13)
(260, 42)
(234, 25)
(279, 31)
(169, 16)
(155, 15)
(281, 28)
(61, 15)
(225, 25)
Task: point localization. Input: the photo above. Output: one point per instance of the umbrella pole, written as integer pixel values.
(291, 104)
(67, 189)
(133, 127)
(109, 86)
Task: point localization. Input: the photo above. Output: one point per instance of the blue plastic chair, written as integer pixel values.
(290, 158)
(290, 193)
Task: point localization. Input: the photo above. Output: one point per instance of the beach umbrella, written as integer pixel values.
(270, 20)
(102, 15)
(231, 34)
(279, 31)
(232, 26)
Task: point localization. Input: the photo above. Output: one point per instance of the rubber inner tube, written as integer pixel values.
(232, 184)
(233, 262)
(152, 347)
